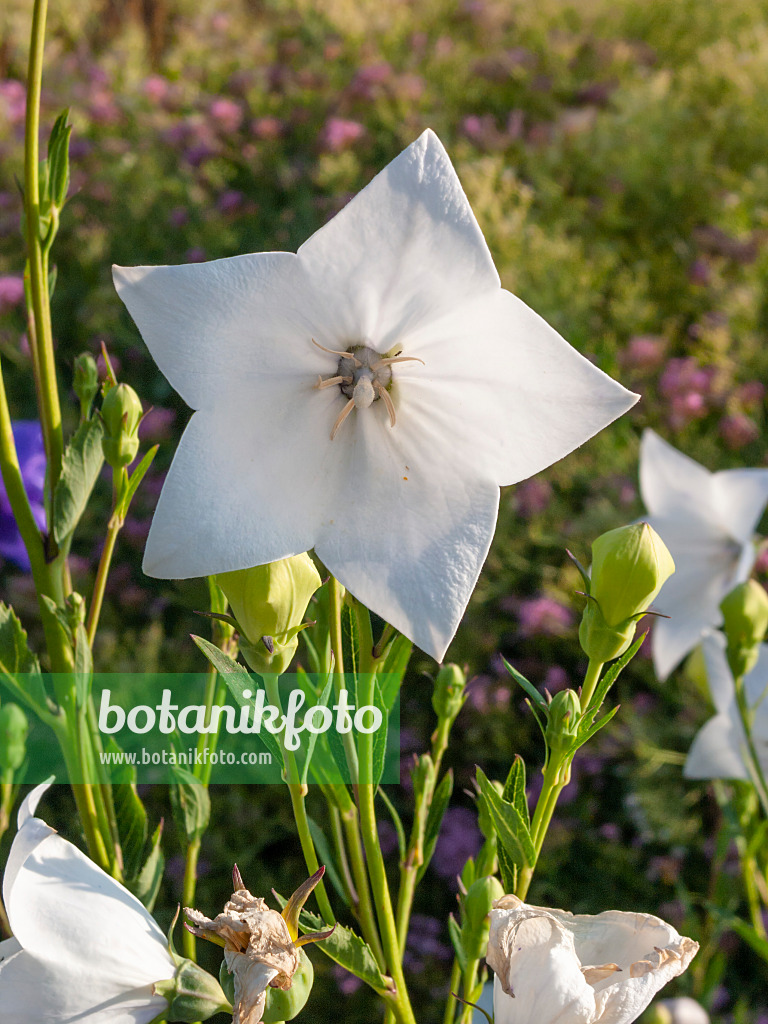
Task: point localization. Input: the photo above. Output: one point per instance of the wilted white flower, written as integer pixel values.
(719, 750)
(364, 397)
(707, 520)
(85, 951)
(552, 966)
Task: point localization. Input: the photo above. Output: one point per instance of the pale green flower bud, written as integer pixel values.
(475, 920)
(192, 993)
(563, 716)
(422, 775)
(85, 382)
(121, 414)
(269, 603)
(286, 1003)
(448, 695)
(745, 621)
(629, 567)
(13, 738)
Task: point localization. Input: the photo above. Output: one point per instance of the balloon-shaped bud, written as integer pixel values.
(476, 908)
(448, 695)
(85, 382)
(745, 622)
(192, 993)
(269, 603)
(286, 1003)
(629, 567)
(13, 738)
(563, 716)
(121, 414)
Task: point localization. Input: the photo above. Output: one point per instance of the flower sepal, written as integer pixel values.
(192, 994)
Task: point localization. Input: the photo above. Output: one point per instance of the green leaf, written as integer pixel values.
(511, 829)
(347, 949)
(326, 857)
(529, 688)
(508, 870)
(396, 821)
(611, 676)
(437, 810)
(131, 821)
(191, 803)
(239, 679)
(58, 159)
(750, 936)
(514, 790)
(80, 470)
(584, 736)
(61, 617)
(16, 660)
(135, 479)
(147, 884)
(458, 947)
(380, 739)
(83, 666)
(325, 697)
(393, 669)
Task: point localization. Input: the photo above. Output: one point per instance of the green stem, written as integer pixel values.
(364, 906)
(376, 868)
(298, 791)
(450, 1005)
(336, 601)
(591, 679)
(50, 411)
(99, 586)
(188, 943)
(469, 980)
(757, 774)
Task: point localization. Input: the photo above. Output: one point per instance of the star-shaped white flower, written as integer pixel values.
(84, 949)
(719, 750)
(277, 352)
(707, 520)
(552, 966)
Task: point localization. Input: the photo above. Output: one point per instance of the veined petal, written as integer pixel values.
(740, 496)
(404, 250)
(672, 484)
(513, 399)
(410, 531)
(216, 328)
(249, 482)
(35, 990)
(58, 893)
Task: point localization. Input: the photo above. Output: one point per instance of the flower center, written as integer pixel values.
(363, 376)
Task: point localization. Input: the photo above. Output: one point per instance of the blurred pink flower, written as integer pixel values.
(543, 616)
(532, 497)
(11, 292)
(156, 88)
(340, 133)
(738, 430)
(267, 127)
(14, 96)
(752, 393)
(644, 352)
(228, 114)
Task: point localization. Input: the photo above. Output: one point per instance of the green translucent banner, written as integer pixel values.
(156, 728)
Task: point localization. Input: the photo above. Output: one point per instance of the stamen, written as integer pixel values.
(330, 381)
(382, 392)
(342, 416)
(342, 355)
(397, 359)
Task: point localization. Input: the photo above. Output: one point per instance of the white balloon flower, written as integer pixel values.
(707, 520)
(552, 966)
(719, 749)
(365, 397)
(85, 951)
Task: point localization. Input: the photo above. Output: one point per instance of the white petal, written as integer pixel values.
(716, 751)
(30, 802)
(405, 249)
(249, 483)
(38, 991)
(691, 597)
(672, 484)
(65, 909)
(740, 496)
(507, 392)
(32, 831)
(719, 676)
(410, 531)
(215, 328)
(625, 1000)
(615, 936)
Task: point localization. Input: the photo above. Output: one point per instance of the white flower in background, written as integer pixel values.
(85, 951)
(707, 520)
(552, 966)
(364, 397)
(719, 750)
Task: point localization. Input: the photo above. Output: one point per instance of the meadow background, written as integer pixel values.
(615, 153)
